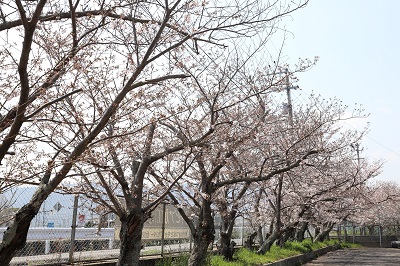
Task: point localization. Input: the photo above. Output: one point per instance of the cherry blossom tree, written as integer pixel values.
(85, 67)
(339, 197)
(315, 126)
(233, 105)
(325, 190)
(378, 205)
(245, 134)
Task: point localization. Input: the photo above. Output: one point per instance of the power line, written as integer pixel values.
(383, 146)
(377, 142)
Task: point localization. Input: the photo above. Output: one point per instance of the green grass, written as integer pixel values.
(151, 252)
(245, 257)
(182, 260)
(219, 260)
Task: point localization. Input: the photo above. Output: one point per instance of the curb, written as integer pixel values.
(303, 258)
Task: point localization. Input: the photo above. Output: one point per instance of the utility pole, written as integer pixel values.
(356, 147)
(289, 97)
(73, 230)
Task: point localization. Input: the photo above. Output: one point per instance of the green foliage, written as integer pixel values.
(298, 246)
(151, 252)
(331, 242)
(90, 224)
(249, 258)
(182, 260)
(341, 244)
(245, 257)
(349, 245)
(219, 261)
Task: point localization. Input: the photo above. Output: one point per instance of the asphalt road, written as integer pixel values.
(361, 256)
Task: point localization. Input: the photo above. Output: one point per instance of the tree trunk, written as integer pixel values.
(249, 243)
(324, 233)
(201, 242)
(261, 238)
(288, 234)
(226, 246)
(371, 230)
(309, 233)
(203, 236)
(266, 246)
(300, 231)
(260, 235)
(15, 236)
(131, 238)
(317, 231)
(198, 255)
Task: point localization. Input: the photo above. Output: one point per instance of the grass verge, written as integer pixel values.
(249, 258)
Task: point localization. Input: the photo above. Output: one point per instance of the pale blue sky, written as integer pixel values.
(358, 42)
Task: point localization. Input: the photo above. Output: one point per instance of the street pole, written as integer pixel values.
(289, 97)
(356, 147)
(73, 230)
(163, 228)
(288, 88)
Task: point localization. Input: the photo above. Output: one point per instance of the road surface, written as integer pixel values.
(360, 256)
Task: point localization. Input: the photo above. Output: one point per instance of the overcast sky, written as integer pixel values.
(358, 43)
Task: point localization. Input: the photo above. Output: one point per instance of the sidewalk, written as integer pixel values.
(359, 256)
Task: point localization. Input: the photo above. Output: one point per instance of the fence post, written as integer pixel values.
(110, 243)
(73, 230)
(47, 247)
(163, 229)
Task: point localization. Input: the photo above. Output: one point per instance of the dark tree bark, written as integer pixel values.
(300, 231)
(370, 230)
(266, 245)
(203, 235)
(15, 236)
(226, 247)
(317, 230)
(277, 233)
(324, 232)
(226, 230)
(249, 243)
(131, 237)
(286, 236)
(260, 235)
